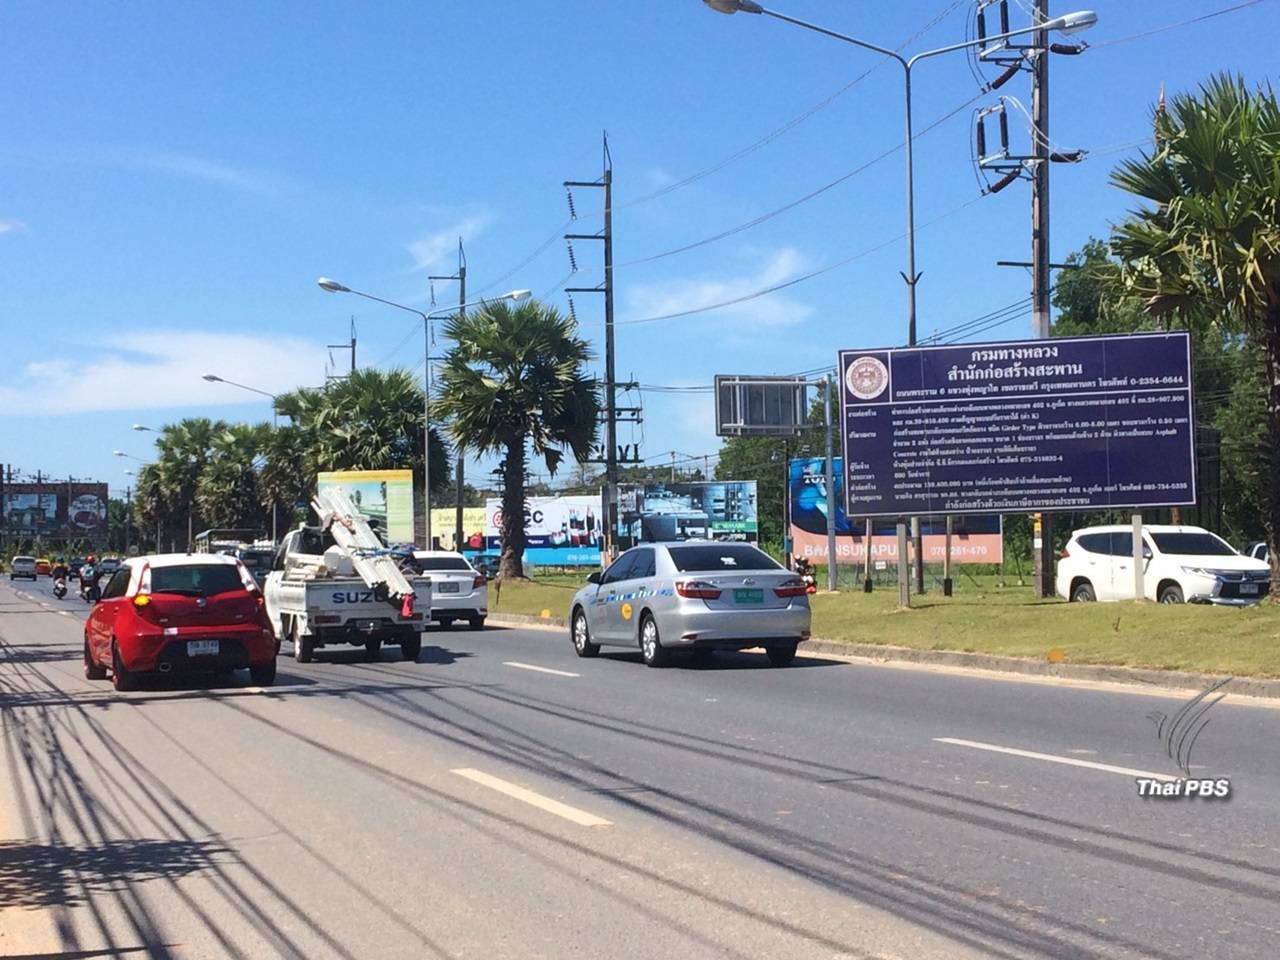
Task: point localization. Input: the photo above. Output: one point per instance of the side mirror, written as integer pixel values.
(594, 578)
(1146, 552)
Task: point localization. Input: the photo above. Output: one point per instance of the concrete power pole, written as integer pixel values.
(461, 277)
(1041, 524)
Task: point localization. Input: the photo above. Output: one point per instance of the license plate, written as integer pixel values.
(1249, 589)
(447, 587)
(202, 648)
(748, 596)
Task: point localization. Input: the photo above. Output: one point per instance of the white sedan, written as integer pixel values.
(458, 590)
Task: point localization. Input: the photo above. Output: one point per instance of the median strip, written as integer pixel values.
(1051, 758)
(546, 804)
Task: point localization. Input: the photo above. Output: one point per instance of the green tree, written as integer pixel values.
(1206, 247)
(182, 451)
(227, 491)
(287, 475)
(516, 384)
(370, 420)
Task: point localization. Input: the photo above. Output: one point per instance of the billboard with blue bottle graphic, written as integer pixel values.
(559, 531)
(977, 538)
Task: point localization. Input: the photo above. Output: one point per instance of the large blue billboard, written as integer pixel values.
(1072, 423)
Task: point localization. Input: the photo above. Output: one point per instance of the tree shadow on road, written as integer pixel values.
(46, 875)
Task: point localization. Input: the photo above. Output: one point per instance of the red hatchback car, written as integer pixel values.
(179, 613)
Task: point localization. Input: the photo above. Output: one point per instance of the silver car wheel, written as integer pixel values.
(580, 632)
(649, 639)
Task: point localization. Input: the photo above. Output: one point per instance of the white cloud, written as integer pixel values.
(664, 297)
(162, 368)
(439, 248)
(9, 225)
(167, 163)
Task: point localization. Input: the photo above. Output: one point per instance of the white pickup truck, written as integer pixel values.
(315, 600)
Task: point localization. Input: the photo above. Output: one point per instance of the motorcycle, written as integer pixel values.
(90, 592)
(60, 587)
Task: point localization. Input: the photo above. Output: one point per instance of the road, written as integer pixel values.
(502, 798)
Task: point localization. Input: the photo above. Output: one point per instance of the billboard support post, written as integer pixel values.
(904, 577)
(830, 482)
(946, 559)
(1139, 588)
(866, 560)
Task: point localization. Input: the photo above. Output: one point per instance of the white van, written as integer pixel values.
(23, 567)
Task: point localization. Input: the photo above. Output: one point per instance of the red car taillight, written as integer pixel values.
(478, 582)
(1064, 554)
(698, 590)
(795, 587)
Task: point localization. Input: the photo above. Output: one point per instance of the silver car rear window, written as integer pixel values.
(720, 556)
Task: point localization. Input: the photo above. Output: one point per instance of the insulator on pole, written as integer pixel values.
(573, 261)
(1010, 72)
(1004, 129)
(1004, 16)
(982, 136)
(1004, 181)
(573, 213)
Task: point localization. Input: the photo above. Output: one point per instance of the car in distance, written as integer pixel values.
(691, 595)
(107, 566)
(43, 567)
(22, 567)
(184, 613)
(1257, 550)
(458, 590)
(1181, 564)
(75, 565)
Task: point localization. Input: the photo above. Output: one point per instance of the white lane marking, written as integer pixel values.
(572, 814)
(1051, 758)
(530, 666)
(66, 613)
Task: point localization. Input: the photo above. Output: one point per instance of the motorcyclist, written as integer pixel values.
(60, 569)
(89, 575)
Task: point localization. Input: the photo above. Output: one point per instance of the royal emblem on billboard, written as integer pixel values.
(866, 378)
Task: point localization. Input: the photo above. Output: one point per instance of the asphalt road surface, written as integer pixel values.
(502, 798)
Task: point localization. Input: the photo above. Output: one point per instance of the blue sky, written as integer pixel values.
(176, 177)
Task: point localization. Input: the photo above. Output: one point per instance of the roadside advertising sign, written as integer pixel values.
(977, 538)
(559, 531)
(384, 496)
(1072, 423)
(709, 510)
(53, 509)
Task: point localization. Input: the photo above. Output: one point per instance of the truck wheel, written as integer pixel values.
(371, 649)
(304, 648)
(411, 646)
(446, 623)
(263, 674)
(477, 623)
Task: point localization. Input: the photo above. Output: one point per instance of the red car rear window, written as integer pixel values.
(199, 580)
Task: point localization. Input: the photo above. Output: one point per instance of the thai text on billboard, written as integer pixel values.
(977, 538)
(559, 531)
(1072, 423)
(708, 510)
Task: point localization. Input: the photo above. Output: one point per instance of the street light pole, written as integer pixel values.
(1068, 23)
(333, 286)
(275, 425)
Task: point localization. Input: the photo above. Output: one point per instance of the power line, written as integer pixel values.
(800, 279)
(1174, 26)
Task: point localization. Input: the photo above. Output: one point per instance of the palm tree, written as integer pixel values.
(1207, 249)
(227, 491)
(370, 420)
(515, 384)
(287, 475)
(183, 450)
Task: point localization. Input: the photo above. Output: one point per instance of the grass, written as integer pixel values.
(984, 617)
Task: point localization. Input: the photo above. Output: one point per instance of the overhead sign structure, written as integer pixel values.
(761, 406)
(977, 538)
(1072, 423)
(715, 510)
(384, 496)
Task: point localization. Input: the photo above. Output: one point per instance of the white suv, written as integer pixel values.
(1181, 565)
(23, 567)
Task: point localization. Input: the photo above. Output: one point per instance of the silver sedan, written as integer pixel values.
(697, 596)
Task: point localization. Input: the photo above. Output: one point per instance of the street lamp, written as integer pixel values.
(143, 427)
(214, 378)
(121, 453)
(1068, 23)
(333, 286)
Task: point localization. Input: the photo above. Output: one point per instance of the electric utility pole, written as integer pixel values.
(612, 413)
(461, 277)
